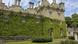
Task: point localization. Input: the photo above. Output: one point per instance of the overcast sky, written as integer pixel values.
(71, 6)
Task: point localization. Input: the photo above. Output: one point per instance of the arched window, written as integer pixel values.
(50, 31)
(61, 31)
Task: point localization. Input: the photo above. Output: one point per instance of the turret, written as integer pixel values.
(61, 5)
(2, 5)
(45, 3)
(0, 1)
(54, 1)
(15, 2)
(19, 1)
(54, 4)
(31, 5)
(16, 7)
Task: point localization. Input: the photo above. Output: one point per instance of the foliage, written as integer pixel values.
(69, 42)
(14, 24)
(72, 21)
(42, 40)
(21, 42)
(75, 20)
(68, 21)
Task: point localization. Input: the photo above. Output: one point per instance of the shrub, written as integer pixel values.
(42, 40)
(69, 42)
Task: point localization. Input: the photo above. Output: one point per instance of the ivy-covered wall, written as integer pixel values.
(14, 24)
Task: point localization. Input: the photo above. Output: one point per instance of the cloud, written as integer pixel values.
(8, 2)
(71, 6)
(25, 3)
(75, 5)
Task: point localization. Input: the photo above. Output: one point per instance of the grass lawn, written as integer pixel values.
(57, 41)
(39, 43)
(23, 42)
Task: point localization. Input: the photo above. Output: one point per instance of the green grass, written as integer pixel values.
(30, 42)
(21, 42)
(39, 43)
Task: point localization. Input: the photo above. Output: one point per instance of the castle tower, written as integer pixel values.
(2, 5)
(15, 2)
(61, 5)
(62, 9)
(54, 4)
(54, 1)
(0, 1)
(16, 7)
(31, 4)
(19, 1)
(45, 3)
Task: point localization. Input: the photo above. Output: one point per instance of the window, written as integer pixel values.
(6, 18)
(50, 31)
(61, 32)
(50, 12)
(59, 13)
(69, 32)
(23, 19)
(38, 19)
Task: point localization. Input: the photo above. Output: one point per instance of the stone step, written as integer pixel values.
(1, 42)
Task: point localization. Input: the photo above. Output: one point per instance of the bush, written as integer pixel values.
(69, 42)
(72, 38)
(15, 37)
(42, 40)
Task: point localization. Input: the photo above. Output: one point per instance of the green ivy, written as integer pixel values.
(33, 26)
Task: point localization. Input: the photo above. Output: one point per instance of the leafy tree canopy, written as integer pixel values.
(72, 20)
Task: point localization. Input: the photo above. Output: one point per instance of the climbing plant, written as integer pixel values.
(14, 24)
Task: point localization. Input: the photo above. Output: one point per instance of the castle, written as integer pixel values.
(53, 11)
(46, 20)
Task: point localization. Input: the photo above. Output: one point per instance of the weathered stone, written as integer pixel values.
(1, 41)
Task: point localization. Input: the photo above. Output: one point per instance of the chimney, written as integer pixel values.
(54, 1)
(31, 5)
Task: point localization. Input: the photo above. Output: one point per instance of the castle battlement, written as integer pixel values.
(53, 11)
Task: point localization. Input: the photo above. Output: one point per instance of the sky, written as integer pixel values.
(71, 6)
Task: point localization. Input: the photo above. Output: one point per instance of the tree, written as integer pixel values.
(72, 21)
(75, 20)
(68, 21)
